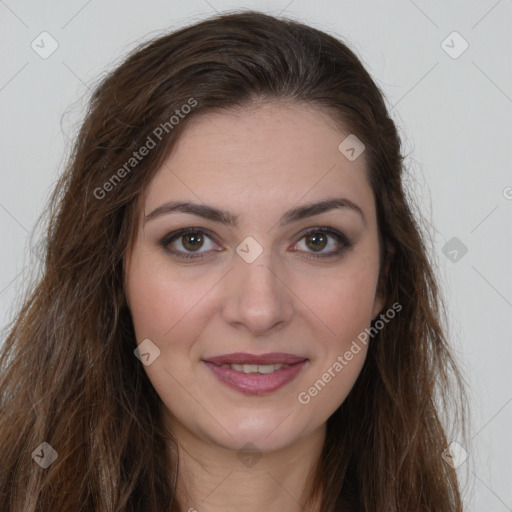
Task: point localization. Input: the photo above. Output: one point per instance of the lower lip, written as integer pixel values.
(256, 383)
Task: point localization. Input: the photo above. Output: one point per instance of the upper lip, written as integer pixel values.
(242, 358)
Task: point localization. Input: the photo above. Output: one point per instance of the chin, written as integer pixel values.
(267, 433)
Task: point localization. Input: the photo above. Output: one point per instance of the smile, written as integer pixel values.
(256, 375)
(255, 368)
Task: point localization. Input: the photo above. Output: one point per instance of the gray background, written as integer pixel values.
(453, 113)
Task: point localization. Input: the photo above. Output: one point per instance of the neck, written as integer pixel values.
(213, 478)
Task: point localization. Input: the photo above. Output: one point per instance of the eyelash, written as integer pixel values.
(171, 237)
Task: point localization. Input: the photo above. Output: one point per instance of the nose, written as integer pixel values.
(257, 297)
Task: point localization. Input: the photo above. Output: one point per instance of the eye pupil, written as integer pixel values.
(318, 240)
(192, 241)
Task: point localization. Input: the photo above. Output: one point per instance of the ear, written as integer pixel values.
(378, 305)
(125, 268)
(380, 294)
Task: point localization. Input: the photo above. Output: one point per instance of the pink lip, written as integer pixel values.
(243, 358)
(256, 383)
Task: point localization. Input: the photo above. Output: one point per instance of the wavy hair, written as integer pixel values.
(68, 373)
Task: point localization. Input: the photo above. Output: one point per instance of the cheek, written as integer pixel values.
(162, 308)
(344, 306)
(348, 307)
(161, 300)
(343, 301)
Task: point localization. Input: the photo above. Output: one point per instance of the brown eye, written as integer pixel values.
(316, 241)
(323, 242)
(192, 241)
(189, 243)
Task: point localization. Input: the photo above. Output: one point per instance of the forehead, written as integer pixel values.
(260, 160)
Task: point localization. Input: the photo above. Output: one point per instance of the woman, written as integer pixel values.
(236, 310)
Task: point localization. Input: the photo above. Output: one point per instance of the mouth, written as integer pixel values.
(255, 368)
(256, 374)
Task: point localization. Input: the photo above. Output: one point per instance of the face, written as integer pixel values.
(251, 311)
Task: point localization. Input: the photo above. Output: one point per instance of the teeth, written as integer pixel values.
(255, 368)
(267, 368)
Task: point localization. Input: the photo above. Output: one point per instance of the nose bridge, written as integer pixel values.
(257, 296)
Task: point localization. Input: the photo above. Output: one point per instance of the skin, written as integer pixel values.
(257, 163)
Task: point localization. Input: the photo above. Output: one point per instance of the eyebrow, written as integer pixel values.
(229, 219)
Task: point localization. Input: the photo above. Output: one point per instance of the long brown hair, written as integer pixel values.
(68, 373)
